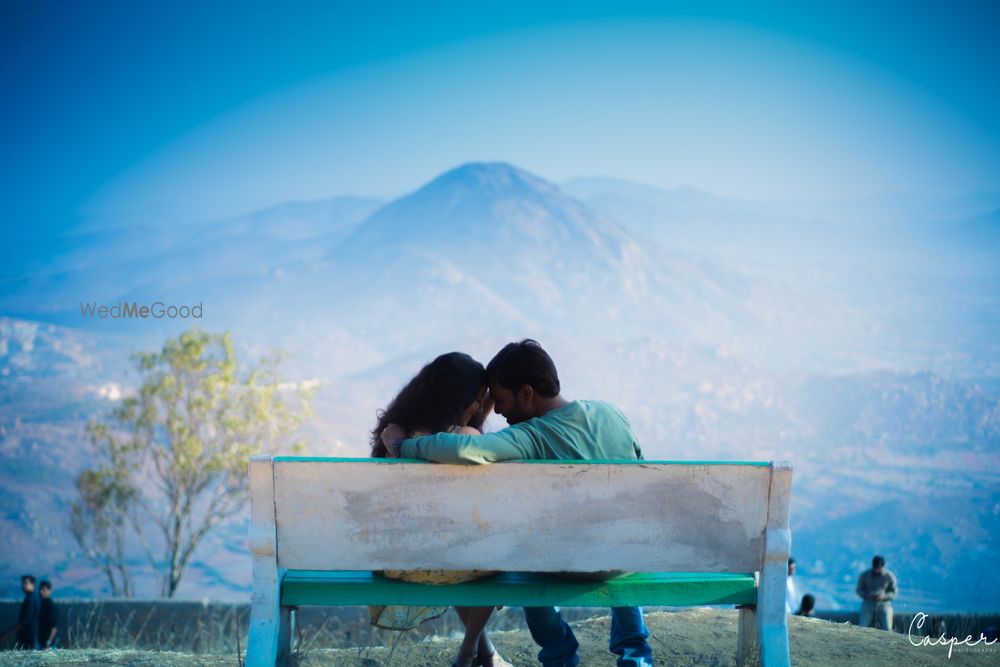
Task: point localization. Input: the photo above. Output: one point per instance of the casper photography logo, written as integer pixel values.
(158, 310)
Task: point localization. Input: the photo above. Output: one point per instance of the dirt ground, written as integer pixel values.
(690, 638)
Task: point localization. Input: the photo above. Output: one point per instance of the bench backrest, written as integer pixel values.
(374, 514)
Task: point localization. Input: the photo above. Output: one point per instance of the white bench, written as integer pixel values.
(696, 533)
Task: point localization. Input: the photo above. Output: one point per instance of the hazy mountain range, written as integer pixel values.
(857, 339)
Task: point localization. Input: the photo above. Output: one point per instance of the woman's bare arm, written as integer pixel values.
(393, 434)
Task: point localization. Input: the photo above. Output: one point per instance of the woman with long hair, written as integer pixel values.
(448, 394)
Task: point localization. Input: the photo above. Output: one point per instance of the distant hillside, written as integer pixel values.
(217, 261)
(490, 241)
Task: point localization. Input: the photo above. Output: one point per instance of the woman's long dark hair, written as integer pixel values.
(434, 400)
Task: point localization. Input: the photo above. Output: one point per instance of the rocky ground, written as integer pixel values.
(695, 638)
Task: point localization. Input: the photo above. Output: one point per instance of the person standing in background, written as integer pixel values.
(27, 618)
(790, 597)
(48, 618)
(877, 588)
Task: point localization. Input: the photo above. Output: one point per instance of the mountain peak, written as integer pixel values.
(491, 178)
(477, 209)
(477, 203)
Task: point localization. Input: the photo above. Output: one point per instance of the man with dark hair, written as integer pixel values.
(877, 587)
(524, 363)
(48, 623)
(525, 388)
(27, 618)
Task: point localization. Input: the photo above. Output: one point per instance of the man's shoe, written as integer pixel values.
(634, 660)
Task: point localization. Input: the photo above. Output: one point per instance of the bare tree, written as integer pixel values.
(191, 429)
(99, 519)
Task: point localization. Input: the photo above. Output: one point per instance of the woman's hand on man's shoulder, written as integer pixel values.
(392, 435)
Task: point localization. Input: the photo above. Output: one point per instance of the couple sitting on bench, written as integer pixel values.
(438, 416)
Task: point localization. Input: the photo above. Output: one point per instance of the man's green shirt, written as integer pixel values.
(580, 431)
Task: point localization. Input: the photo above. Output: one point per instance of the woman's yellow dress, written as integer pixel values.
(404, 617)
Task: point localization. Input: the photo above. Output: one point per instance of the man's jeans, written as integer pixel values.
(875, 614)
(559, 645)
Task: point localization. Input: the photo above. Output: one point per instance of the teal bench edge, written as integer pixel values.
(640, 462)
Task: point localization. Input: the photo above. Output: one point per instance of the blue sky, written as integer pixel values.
(129, 112)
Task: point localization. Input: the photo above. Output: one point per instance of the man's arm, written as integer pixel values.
(891, 590)
(862, 589)
(507, 445)
(52, 619)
